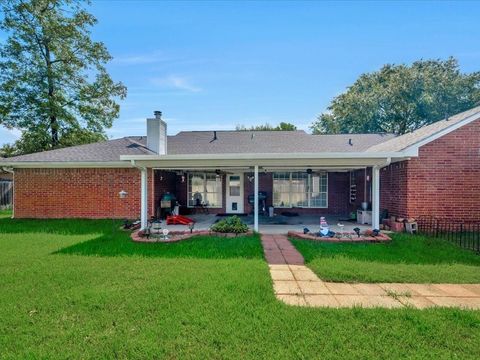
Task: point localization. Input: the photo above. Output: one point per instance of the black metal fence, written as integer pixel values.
(465, 234)
(6, 193)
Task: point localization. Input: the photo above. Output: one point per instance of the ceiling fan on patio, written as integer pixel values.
(222, 172)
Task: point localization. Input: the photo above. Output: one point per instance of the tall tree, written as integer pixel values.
(283, 126)
(53, 83)
(400, 98)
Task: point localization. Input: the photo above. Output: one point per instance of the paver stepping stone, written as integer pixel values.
(313, 288)
(475, 288)
(322, 301)
(450, 301)
(369, 289)
(455, 290)
(419, 302)
(342, 289)
(286, 287)
(305, 275)
(292, 299)
(281, 275)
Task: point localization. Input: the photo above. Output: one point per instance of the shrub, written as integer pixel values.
(232, 224)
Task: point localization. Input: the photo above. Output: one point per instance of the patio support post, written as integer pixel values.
(255, 200)
(376, 197)
(143, 199)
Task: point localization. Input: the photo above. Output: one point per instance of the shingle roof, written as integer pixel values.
(402, 142)
(109, 150)
(199, 142)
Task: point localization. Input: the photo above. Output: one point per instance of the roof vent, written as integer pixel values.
(158, 114)
(214, 137)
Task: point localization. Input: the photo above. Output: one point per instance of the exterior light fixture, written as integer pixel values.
(122, 194)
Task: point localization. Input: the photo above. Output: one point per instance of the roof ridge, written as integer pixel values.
(451, 121)
(139, 144)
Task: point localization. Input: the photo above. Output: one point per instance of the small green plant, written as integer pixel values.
(232, 224)
(397, 295)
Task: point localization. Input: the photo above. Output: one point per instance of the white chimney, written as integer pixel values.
(157, 134)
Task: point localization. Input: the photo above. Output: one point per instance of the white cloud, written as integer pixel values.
(175, 82)
(137, 59)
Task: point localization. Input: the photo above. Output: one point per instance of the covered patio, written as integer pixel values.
(249, 169)
(278, 224)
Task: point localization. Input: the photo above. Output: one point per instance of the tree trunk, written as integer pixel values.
(53, 123)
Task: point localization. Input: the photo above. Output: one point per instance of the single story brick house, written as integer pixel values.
(434, 171)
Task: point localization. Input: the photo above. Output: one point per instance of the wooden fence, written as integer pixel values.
(6, 193)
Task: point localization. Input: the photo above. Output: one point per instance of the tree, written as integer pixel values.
(399, 98)
(53, 83)
(283, 126)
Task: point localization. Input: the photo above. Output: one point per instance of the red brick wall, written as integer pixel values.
(393, 189)
(78, 193)
(444, 181)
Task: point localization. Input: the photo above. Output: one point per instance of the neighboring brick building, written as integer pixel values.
(433, 171)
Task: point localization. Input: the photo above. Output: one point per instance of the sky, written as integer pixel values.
(215, 65)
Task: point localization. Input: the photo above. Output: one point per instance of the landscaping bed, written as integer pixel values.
(175, 236)
(344, 237)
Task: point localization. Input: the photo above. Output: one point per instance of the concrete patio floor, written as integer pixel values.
(295, 284)
(276, 225)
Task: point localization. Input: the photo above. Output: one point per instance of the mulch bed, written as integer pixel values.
(354, 238)
(175, 236)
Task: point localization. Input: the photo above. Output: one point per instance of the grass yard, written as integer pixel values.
(5, 213)
(405, 259)
(81, 289)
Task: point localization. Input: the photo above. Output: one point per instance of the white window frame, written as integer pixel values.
(308, 192)
(204, 192)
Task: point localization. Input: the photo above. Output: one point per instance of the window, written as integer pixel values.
(234, 185)
(299, 189)
(205, 189)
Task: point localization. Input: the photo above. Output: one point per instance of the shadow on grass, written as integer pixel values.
(404, 249)
(59, 226)
(202, 247)
(110, 240)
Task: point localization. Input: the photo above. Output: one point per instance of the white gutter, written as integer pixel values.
(268, 156)
(65, 164)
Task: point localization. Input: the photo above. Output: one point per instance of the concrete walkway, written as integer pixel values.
(296, 284)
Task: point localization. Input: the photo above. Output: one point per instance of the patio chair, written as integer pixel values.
(199, 204)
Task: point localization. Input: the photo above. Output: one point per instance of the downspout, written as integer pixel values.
(10, 170)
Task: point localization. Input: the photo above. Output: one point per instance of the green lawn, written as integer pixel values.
(80, 289)
(5, 213)
(405, 259)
